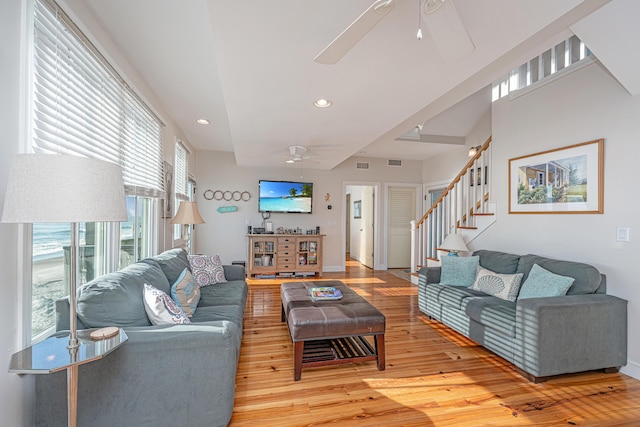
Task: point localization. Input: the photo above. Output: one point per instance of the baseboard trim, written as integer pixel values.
(632, 369)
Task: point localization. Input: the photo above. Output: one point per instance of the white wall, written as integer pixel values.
(585, 105)
(16, 392)
(223, 233)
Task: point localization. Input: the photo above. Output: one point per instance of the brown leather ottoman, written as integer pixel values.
(331, 332)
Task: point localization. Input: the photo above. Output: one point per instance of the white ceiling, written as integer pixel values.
(248, 67)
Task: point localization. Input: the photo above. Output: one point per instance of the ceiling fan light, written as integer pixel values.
(322, 103)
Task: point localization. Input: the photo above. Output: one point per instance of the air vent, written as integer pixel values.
(392, 162)
(362, 165)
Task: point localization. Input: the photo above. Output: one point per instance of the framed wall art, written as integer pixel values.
(357, 209)
(566, 180)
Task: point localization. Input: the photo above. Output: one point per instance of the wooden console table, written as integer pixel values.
(284, 255)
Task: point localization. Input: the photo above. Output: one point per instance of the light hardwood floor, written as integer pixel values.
(433, 376)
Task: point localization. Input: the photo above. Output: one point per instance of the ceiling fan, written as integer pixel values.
(297, 154)
(447, 30)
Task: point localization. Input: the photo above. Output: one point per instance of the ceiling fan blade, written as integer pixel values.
(448, 32)
(355, 32)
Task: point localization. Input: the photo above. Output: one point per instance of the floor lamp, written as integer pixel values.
(187, 214)
(65, 189)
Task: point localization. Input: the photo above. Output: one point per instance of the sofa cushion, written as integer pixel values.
(503, 286)
(115, 299)
(458, 271)
(500, 262)
(228, 293)
(161, 309)
(453, 296)
(543, 283)
(494, 313)
(587, 277)
(186, 293)
(172, 263)
(207, 269)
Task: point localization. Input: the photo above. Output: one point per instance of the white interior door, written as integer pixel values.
(401, 210)
(368, 203)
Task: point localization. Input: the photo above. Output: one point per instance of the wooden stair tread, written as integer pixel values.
(464, 227)
(482, 214)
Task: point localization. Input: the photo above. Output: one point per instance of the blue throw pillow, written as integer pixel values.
(543, 283)
(186, 292)
(458, 271)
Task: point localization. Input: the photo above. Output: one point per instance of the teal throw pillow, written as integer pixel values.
(458, 271)
(186, 292)
(543, 283)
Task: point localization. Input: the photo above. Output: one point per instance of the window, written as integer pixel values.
(81, 106)
(135, 234)
(181, 186)
(562, 56)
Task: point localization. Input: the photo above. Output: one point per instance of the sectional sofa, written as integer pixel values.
(584, 329)
(181, 374)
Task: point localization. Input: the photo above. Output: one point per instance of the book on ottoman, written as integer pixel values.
(325, 293)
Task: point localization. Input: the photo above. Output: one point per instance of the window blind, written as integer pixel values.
(181, 177)
(82, 106)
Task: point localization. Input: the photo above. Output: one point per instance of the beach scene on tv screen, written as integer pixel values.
(281, 196)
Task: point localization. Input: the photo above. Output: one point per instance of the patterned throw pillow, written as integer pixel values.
(503, 286)
(543, 283)
(207, 269)
(458, 270)
(186, 293)
(161, 309)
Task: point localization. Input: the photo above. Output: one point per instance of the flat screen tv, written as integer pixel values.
(285, 196)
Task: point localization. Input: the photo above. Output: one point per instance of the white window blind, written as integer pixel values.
(83, 107)
(181, 168)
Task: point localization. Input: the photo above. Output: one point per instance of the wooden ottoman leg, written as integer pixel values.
(298, 350)
(380, 351)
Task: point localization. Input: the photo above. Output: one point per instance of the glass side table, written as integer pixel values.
(52, 355)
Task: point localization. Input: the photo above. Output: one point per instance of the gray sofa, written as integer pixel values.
(163, 375)
(580, 331)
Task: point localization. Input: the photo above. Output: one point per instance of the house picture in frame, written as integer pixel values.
(567, 180)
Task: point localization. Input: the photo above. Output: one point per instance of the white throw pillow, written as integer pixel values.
(503, 286)
(161, 309)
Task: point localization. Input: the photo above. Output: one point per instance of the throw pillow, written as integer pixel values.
(543, 283)
(207, 269)
(161, 309)
(458, 271)
(503, 286)
(186, 293)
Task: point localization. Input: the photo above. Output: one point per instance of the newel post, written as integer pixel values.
(414, 231)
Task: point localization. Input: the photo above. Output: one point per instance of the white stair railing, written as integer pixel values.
(458, 209)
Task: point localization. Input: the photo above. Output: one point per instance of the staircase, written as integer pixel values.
(464, 208)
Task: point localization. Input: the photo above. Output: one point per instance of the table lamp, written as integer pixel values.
(454, 243)
(187, 214)
(65, 189)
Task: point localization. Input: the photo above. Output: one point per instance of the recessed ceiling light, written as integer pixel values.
(203, 121)
(322, 103)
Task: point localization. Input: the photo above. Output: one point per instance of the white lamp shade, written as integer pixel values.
(187, 214)
(454, 243)
(63, 188)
